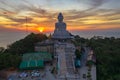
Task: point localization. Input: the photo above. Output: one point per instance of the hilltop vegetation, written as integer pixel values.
(26, 44)
(11, 56)
(107, 51)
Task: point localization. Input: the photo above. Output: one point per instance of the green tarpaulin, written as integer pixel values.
(32, 64)
(34, 60)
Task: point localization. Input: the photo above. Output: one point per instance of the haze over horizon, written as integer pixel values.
(83, 17)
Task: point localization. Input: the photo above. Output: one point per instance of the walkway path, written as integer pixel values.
(84, 69)
(49, 75)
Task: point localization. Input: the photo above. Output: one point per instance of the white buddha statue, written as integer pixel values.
(60, 31)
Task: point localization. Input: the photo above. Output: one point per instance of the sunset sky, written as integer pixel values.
(79, 15)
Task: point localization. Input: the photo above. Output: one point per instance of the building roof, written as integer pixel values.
(31, 64)
(37, 56)
(44, 43)
(34, 60)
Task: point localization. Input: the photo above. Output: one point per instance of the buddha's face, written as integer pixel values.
(60, 19)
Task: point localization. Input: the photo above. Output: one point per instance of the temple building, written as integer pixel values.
(45, 46)
(62, 51)
(60, 32)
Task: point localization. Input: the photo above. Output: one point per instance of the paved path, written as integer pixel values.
(84, 68)
(84, 56)
(49, 75)
(66, 60)
(93, 72)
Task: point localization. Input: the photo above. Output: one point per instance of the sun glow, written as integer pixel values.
(41, 29)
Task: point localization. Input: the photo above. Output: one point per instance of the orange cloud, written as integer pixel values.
(75, 19)
(4, 21)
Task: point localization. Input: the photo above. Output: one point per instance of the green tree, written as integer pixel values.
(27, 44)
(108, 57)
(8, 60)
(78, 54)
(2, 49)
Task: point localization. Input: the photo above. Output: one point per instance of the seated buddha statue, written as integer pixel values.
(60, 25)
(60, 31)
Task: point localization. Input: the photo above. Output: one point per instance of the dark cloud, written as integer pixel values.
(95, 4)
(21, 20)
(17, 19)
(25, 5)
(33, 9)
(76, 17)
(109, 16)
(5, 6)
(39, 12)
(78, 14)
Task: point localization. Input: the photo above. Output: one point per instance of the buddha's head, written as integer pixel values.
(60, 17)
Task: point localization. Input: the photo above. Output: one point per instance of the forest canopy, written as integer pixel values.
(107, 51)
(11, 56)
